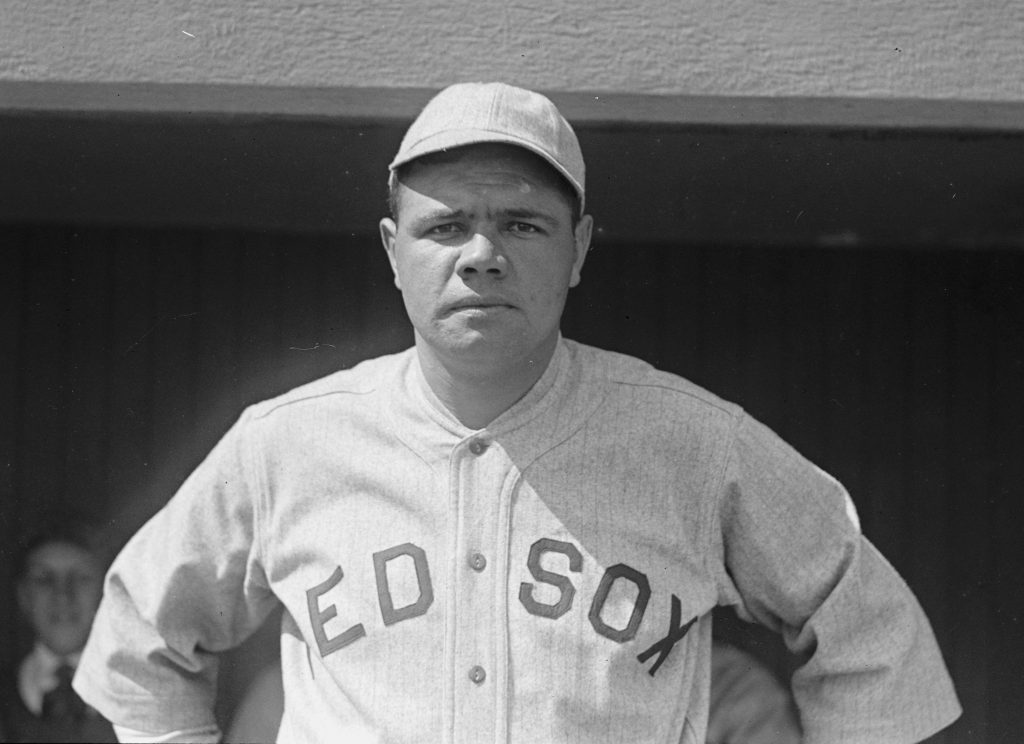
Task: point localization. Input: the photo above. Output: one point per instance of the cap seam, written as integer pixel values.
(494, 105)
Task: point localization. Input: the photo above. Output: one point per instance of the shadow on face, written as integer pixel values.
(516, 157)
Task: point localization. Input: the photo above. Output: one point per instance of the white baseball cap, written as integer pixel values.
(475, 113)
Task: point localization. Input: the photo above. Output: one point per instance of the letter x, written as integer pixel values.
(675, 634)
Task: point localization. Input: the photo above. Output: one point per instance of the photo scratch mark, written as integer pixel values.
(162, 319)
(191, 36)
(314, 347)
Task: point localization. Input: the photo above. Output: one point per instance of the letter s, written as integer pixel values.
(568, 591)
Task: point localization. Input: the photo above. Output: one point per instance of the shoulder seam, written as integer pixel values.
(293, 401)
(732, 409)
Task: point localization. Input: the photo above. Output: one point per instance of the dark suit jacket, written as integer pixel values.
(19, 724)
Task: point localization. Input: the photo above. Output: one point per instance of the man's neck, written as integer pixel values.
(478, 391)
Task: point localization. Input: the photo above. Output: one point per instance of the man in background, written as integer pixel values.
(59, 579)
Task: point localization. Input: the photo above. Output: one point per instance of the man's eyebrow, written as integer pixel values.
(442, 214)
(435, 215)
(531, 214)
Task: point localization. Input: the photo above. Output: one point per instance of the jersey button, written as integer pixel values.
(477, 675)
(477, 561)
(477, 447)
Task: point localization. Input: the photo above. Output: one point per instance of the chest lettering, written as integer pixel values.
(567, 592)
(318, 618)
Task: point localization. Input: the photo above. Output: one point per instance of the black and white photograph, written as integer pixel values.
(512, 372)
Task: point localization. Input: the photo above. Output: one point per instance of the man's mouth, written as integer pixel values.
(479, 304)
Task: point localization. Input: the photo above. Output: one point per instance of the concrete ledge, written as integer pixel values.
(397, 104)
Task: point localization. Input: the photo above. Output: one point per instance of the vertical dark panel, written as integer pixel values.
(764, 366)
(880, 378)
(614, 305)
(646, 315)
(170, 349)
(132, 316)
(723, 320)
(967, 471)
(259, 335)
(372, 316)
(845, 432)
(217, 362)
(924, 489)
(41, 405)
(1004, 442)
(313, 325)
(925, 424)
(12, 282)
(681, 271)
(88, 342)
(806, 346)
(38, 413)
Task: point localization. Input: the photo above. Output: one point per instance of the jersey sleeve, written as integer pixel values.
(795, 560)
(188, 585)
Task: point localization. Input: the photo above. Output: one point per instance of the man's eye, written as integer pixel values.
(524, 228)
(44, 581)
(448, 228)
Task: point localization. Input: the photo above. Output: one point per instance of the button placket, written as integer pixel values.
(482, 469)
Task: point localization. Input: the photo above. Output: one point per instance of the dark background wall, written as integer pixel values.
(129, 352)
(858, 291)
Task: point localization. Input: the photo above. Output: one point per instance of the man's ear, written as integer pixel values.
(581, 239)
(388, 231)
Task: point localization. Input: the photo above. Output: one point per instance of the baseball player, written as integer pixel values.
(500, 535)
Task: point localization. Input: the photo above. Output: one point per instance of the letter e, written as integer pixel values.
(318, 617)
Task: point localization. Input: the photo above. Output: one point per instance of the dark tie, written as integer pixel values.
(62, 704)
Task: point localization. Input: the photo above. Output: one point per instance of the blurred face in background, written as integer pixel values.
(59, 594)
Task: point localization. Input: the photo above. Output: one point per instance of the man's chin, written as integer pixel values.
(486, 341)
(469, 340)
(465, 333)
(64, 642)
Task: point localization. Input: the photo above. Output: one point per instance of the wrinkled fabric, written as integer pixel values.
(548, 578)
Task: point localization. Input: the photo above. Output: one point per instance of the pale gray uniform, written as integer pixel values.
(549, 578)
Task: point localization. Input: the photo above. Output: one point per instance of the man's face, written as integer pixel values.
(485, 252)
(59, 594)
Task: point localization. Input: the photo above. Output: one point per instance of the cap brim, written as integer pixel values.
(449, 140)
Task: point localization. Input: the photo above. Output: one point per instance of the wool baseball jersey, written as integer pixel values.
(546, 579)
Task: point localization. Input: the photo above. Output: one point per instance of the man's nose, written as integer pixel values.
(68, 588)
(482, 256)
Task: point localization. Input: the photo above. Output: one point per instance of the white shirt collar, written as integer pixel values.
(37, 675)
